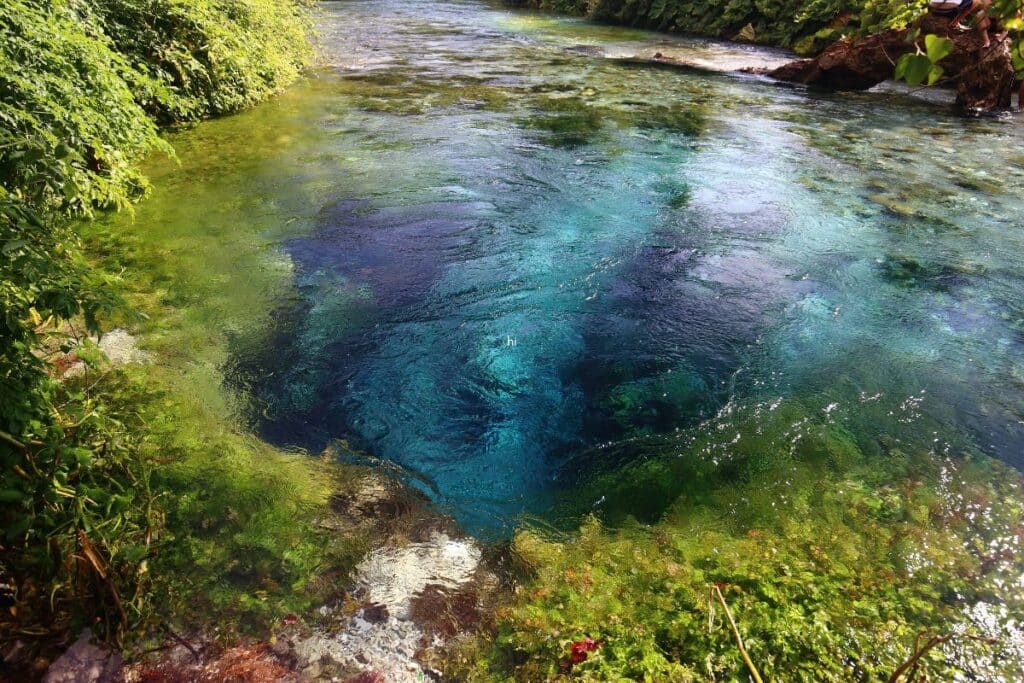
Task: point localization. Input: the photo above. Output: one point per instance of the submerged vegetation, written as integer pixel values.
(123, 497)
(837, 563)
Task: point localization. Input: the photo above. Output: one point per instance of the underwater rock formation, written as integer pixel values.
(414, 598)
(983, 77)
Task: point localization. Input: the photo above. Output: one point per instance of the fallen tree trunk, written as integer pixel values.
(983, 76)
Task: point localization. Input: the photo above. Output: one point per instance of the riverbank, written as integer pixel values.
(188, 545)
(803, 27)
(850, 46)
(134, 502)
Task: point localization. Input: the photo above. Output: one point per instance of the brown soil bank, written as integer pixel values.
(983, 76)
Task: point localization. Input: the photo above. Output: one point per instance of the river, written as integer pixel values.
(497, 249)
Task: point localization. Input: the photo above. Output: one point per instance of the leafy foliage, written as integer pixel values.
(83, 88)
(208, 57)
(62, 148)
(923, 66)
(805, 26)
(916, 68)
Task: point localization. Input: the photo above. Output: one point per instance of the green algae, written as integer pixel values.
(407, 92)
(907, 271)
(686, 119)
(657, 403)
(833, 561)
(207, 276)
(565, 121)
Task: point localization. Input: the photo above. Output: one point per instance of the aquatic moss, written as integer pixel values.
(832, 565)
(688, 119)
(657, 403)
(565, 121)
(837, 555)
(231, 542)
(411, 93)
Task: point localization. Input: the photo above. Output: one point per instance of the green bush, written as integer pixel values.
(70, 128)
(209, 57)
(83, 89)
(788, 23)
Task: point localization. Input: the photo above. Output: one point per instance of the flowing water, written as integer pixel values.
(514, 254)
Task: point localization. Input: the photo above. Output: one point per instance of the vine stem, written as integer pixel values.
(4, 436)
(736, 632)
(181, 641)
(909, 667)
(911, 663)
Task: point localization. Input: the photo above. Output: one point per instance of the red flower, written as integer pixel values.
(581, 649)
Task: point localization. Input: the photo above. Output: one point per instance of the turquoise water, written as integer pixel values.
(515, 253)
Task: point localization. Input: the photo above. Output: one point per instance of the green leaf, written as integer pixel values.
(914, 69)
(83, 456)
(18, 527)
(936, 47)
(11, 496)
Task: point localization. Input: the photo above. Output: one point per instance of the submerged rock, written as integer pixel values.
(389, 620)
(392, 577)
(389, 634)
(85, 662)
(210, 663)
(117, 346)
(387, 648)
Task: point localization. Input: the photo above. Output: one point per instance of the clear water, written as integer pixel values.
(511, 253)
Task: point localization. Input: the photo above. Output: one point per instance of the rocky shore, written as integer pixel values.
(982, 76)
(406, 601)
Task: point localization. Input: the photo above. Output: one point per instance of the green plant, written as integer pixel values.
(920, 66)
(835, 583)
(208, 57)
(836, 558)
(95, 472)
